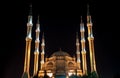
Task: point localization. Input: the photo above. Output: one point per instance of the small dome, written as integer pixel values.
(60, 53)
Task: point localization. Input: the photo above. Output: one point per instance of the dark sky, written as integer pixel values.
(60, 22)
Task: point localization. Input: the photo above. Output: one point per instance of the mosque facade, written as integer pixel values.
(60, 62)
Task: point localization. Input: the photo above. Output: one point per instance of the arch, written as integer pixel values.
(50, 64)
(70, 64)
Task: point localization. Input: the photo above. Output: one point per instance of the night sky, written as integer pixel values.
(59, 22)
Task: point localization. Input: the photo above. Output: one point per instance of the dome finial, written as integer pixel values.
(81, 20)
(60, 49)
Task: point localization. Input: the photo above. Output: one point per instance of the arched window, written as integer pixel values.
(70, 64)
(50, 64)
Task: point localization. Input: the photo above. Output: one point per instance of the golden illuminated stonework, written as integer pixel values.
(60, 63)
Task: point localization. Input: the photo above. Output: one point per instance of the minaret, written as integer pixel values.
(43, 52)
(28, 45)
(84, 61)
(79, 71)
(78, 52)
(36, 52)
(91, 41)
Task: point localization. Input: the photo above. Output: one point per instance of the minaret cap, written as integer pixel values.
(30, 11)
(76, 35)
(81, 20)
(43, 36)
(77, 39)
(38, 21)
(88, 11)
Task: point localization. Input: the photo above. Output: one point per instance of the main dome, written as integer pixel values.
(60, 53)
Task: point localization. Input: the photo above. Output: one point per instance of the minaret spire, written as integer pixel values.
(78, 49)
(89, 20)
(28, 45)
(36, 52)
(84, 61)
(30, 11)
(43, 52)
(79, 71)
(91, 42)
(88, 11)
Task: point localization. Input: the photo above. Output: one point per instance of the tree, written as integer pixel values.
(25, 75)
(84, 76)
(35, 76)
(73, 76)
(93, 75)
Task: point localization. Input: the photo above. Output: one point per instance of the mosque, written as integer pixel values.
(60, 63)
